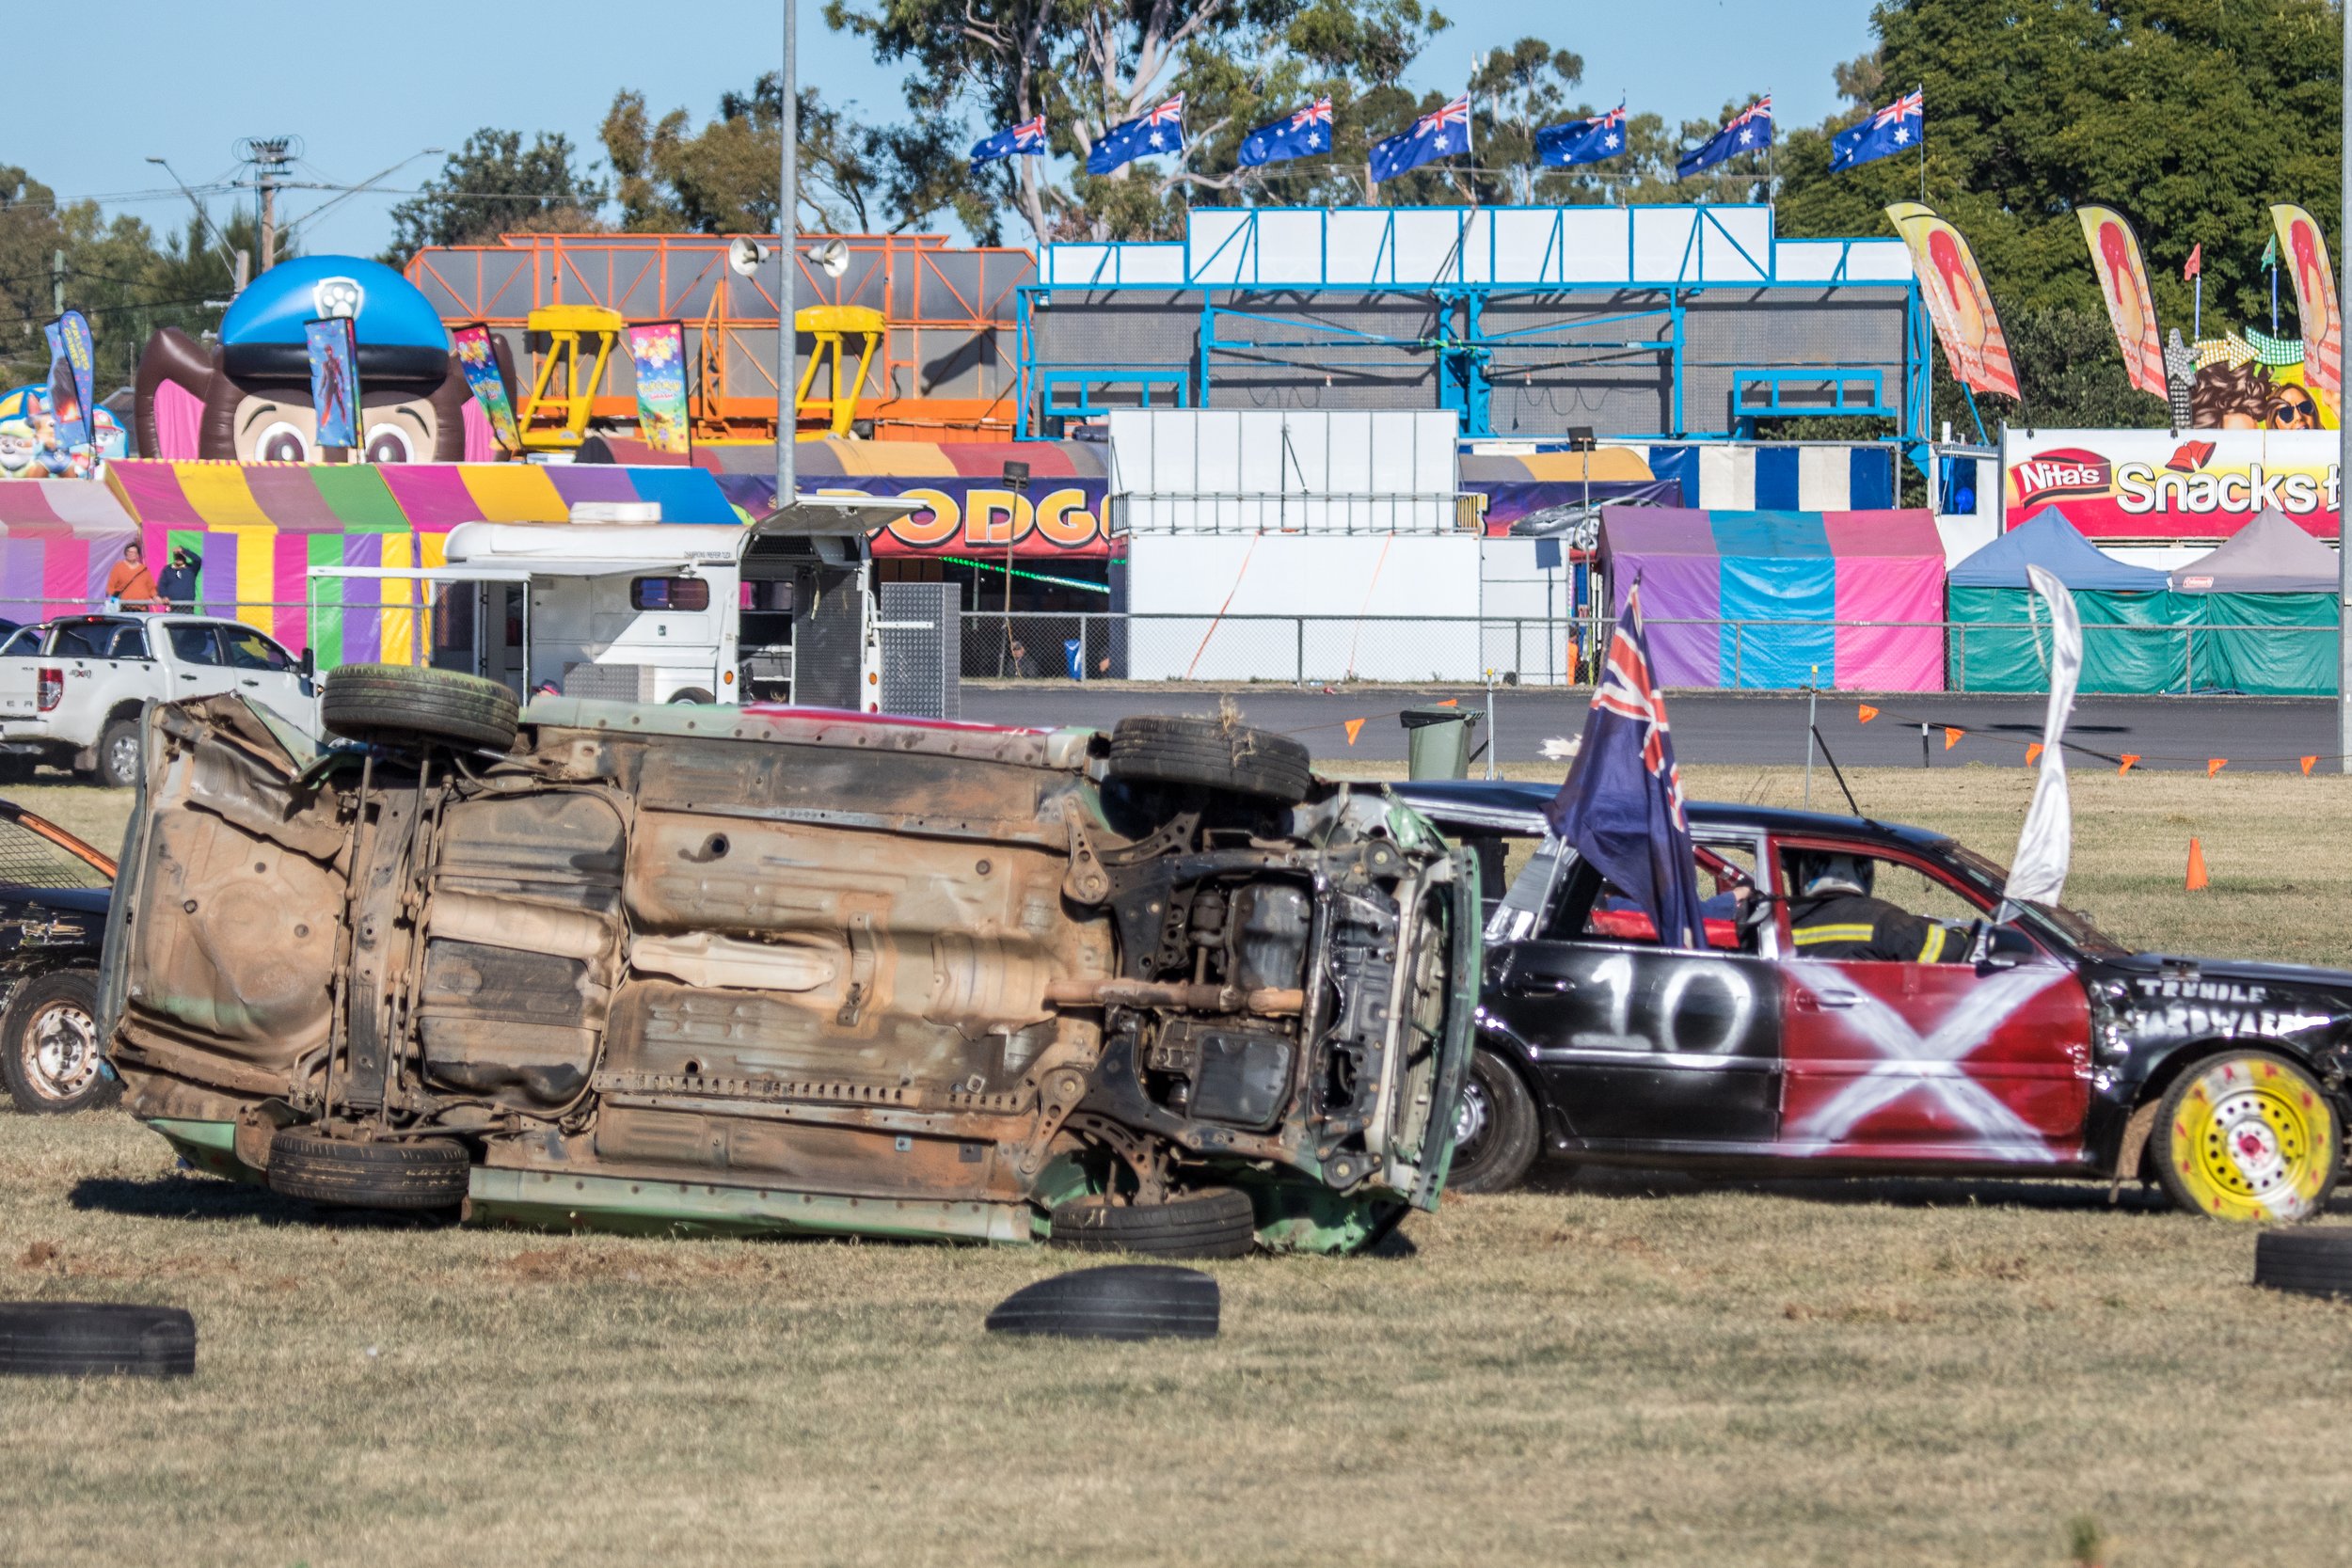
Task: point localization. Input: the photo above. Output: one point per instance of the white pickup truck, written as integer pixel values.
(71, 689)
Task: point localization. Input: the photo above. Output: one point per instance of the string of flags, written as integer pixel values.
(2125, 761)
(1307, 133)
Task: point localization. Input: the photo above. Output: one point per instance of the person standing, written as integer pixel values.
(130, 585)
(178, 583)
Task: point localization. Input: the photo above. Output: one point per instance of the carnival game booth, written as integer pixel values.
(2136, 630)
(2265, 608)
(1773, 601)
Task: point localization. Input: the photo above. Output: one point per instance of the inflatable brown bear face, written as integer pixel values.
(256, 409)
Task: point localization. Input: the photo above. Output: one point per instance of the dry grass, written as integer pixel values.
(1622, 1370)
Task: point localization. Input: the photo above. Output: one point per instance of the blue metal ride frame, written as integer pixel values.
(1464, 381)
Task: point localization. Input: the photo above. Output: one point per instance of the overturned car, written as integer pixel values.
(754, 969)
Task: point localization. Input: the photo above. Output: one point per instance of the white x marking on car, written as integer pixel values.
(1934, 1062)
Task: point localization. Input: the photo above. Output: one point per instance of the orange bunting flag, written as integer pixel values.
(2197, 877)
(1354, 727)
(1952, 736)
(1449, 702)
(2215, 765)
(1865, 712)
(2306, 765)
(2033, 753)
(2129, 757)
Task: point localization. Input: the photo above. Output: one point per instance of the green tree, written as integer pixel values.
(496, 185)
(722, 179)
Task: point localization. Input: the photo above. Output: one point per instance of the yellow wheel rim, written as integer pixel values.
(2253, 1140)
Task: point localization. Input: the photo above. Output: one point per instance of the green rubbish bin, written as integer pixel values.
(1438, 741)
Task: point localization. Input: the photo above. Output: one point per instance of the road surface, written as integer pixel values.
(2255, 734)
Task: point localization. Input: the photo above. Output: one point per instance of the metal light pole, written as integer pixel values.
(2343, 445)
(788, 266)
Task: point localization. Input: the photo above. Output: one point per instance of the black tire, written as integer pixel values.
(1497, 1133)
(50, 1054)
(2316, 1262)
(395, 705)
(691, 694)
(2291, 1143)
(1217, 1221)
(118, 754)
(1122, 1301)
(74, 1338)
(1208, 753)
(416, 1174)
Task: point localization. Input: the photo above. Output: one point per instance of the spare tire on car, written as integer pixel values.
(1210, 753)
(399, 705)
(1214, 1222)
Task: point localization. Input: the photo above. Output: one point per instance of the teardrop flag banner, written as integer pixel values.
(2123, 284)
(2306, 247)
(1957, 300)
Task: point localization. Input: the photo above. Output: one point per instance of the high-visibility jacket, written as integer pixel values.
(1856, 926)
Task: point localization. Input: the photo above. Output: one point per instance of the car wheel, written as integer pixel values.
(2247, 1135)
(1218, 1222)
(691, 694)
(395, 705)
(1496, 1130)
(417, 1174)
(52, 1060)
(70, 1339)
(1210, 753)
(118, 754)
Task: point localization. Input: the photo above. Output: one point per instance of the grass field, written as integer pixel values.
(1605, 1371)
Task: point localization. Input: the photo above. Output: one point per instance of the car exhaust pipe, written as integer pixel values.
(1187, 998)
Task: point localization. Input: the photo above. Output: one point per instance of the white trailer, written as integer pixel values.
(782, 610)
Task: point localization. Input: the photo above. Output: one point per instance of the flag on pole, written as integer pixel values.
(2196, 263)
(1302, 135)
(1430, 137)
(1024, 140)
(1897, 128)
(1161, 130)
(2270, 252)
(1583, 141)
(2038, 874)
(1622, 807)
(1749, 131)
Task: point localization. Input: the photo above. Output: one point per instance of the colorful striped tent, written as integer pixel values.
(1762, 599)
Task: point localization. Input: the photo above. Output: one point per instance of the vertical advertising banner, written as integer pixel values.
(478, 362)
(2123, 284)
(335, 380)
(658, 349)
(1957, 301)
(70, 378)
(2305, 252)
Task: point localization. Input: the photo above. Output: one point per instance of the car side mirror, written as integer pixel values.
(1996, 948)
(309, 663)
(1757, 912)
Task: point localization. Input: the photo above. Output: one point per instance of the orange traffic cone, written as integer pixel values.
(2197, 878)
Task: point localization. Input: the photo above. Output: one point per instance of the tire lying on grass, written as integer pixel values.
(49, 1053)
(74, 1339)
(1209, 754)
(395, 705)
(1216, 1222)
(2311, 1263)
(416, 1175)
(1122, 1301)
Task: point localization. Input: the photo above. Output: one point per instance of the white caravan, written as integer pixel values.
(633, 610)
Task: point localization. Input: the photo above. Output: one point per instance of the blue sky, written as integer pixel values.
(366, 85)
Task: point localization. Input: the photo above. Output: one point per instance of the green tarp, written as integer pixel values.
(2148, 643)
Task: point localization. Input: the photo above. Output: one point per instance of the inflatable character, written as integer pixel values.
(19, 446)
(250, 393)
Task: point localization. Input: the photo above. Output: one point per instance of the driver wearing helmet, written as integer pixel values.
(1832, 915)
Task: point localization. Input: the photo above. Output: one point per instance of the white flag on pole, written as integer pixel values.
(2038, 873)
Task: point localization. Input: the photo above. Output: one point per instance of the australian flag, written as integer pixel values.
(1582, 141)
(1161, 130)
(1894, 129)
(1430, 137)
(1024, 140)
(1750, 131)
(1301, 135)
(1622, 806)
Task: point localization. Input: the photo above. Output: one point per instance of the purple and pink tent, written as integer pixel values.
(1760, 599)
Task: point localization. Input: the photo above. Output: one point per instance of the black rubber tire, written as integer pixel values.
(1216, 1222)
(76, 1338)
(1508, 1134)
(1208, 753)
(2167, 1160)
(1122, 1301)
(72, 991)
(2312, 1261)
(118, 754)
(397, 705)
(691, 694)
(413, 1174)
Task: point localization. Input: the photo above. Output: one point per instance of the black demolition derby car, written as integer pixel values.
(54, 891)
(2058, 1053)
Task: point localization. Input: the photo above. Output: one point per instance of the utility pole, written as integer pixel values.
(269, 156)
(788, 266)
(56, 283)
